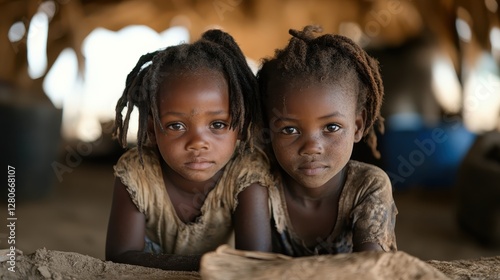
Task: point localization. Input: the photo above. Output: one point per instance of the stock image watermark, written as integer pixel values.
(223, 6)
(423, 148)
(74, 155)
(484, 90)
(11, 218)
(377, 21)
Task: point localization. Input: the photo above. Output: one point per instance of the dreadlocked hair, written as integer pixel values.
(328, 59)
(215, 50)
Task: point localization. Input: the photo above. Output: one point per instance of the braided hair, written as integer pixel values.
(328, 59)
(215, 50)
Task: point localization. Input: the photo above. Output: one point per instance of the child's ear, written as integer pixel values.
(360, 126)
(151, 131)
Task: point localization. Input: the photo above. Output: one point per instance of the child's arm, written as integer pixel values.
(126, 237)
(252, 220)
(368, 246)
(375, 214)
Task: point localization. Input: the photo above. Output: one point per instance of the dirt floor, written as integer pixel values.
(73, 218)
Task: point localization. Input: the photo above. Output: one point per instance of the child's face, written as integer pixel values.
(313, 130)
(194, 112)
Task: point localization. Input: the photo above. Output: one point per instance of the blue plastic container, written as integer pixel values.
(414, 154)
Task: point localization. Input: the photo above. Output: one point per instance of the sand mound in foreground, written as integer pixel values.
(227, 263)
(47, 264)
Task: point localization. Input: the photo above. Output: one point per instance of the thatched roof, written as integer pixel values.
(259, 26)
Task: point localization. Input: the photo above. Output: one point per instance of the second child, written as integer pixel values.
(321, 95)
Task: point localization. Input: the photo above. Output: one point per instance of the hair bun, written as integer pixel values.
(224, 40)
(307, 33)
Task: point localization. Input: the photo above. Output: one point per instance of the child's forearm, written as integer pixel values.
(252, 220)
(368, 246)
(161, 261)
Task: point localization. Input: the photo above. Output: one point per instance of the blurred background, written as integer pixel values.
(64, 64)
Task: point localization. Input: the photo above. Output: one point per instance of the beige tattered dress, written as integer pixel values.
(214, 226)
(366, 213)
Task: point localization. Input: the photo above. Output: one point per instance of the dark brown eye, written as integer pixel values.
(332, 127)
(176, 126)
(289, 130)
(218, 125)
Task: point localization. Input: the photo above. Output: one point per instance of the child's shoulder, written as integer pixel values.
(248, 157)
(359, 166)
(249, 166)
(133, 155)
(362, 173)
(130, 161)
(130, 155)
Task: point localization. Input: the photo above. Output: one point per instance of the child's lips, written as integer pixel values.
(312, 168)
(199, 164)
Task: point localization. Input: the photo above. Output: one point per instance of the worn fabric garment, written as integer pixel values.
(213, 227)
(366, 213)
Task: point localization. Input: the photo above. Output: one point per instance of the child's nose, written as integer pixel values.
(197, 141)
(312, 145)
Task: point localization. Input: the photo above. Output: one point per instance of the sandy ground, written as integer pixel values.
(228, 263)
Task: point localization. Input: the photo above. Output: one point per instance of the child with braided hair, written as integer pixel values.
(178, 192)
(321, 95)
